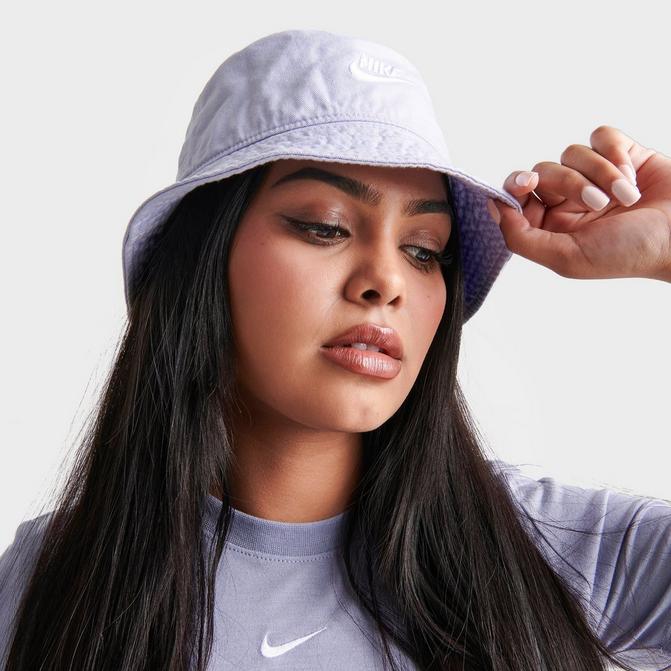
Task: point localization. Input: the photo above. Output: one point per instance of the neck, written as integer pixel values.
(293, 474)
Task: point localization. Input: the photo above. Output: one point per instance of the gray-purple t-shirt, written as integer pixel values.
(283, 602)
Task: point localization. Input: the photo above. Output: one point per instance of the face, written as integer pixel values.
(292, 290)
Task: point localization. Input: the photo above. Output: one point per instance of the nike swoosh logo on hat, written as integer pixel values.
(370, 69)
(268, 650)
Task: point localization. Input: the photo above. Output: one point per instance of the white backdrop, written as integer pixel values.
(569, 376)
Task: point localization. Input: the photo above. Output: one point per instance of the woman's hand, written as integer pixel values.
(628, 237)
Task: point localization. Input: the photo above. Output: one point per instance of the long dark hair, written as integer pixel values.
(435, 547)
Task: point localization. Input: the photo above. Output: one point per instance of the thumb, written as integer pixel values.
(548, 248)
(512, 223)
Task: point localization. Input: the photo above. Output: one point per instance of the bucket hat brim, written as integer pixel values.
(483, 249)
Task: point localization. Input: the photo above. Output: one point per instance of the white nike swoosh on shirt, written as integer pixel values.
(268, 650)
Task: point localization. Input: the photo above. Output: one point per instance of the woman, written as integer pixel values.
(255, 488)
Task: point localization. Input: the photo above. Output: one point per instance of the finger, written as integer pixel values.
(602, 172)
(557, 251)
(558, 183)
(520, 184)
(618, 148)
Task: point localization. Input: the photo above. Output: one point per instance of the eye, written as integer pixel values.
(434, 260)
(329, 229)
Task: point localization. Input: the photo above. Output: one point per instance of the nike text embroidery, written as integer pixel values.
(369, 69)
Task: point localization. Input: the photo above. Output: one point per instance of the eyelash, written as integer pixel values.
(436, 258)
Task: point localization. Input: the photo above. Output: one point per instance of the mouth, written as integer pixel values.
(369, 337)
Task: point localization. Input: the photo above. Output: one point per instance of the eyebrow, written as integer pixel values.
(365, 192)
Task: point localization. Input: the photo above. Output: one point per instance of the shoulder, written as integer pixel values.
(568, 511)
(548, 498)
(17, 561)
(16, 565)
(616, 544)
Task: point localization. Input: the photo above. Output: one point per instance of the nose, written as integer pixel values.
(377, 275)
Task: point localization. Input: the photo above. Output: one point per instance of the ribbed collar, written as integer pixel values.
(287, 539)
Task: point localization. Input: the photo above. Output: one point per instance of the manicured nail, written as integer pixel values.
(594, 198)
(524, 178)
(493, 210)
(629, 172)
(625, 192)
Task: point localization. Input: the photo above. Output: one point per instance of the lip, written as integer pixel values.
(374, 364)
(384, 337)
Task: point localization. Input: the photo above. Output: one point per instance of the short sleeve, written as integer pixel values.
(613, 547)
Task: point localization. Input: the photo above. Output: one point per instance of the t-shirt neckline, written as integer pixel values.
(287, 539)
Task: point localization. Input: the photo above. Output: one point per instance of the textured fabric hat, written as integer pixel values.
(313, 94)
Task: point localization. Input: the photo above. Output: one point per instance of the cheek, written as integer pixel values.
(425, 310)
(278, 304)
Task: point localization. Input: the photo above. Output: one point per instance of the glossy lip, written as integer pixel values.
(384, 337)
(374, 364)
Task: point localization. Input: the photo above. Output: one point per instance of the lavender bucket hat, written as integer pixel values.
(313, 94)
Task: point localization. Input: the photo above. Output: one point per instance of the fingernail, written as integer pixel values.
(625, 192)
(629, 172)
(493, 210)
(524, 178)
(594, 198)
